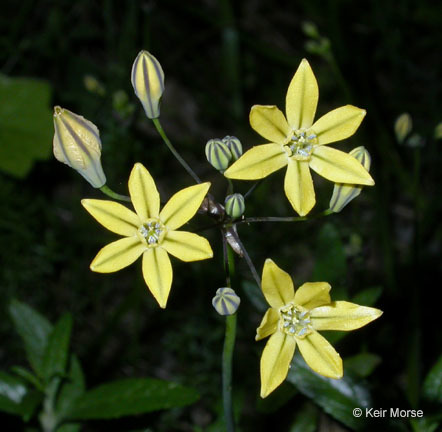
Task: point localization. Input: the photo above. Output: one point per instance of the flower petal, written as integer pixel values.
(187, 246)
(269, 122)
(313, 294)
(277, 285)
(117, 255)
(342, 315)
(298, 186)
(275, 361)
(338, 124)
(143, 192)
(157, 272)
(269, 324)
(302, 97)
(183, 205)
(113, 216)
(339, 167)
(320, 355)
(258, 162)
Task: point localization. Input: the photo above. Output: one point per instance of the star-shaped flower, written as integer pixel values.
(149, 232)
(295, 318)
(300, 144)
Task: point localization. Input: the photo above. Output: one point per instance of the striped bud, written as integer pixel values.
(218, 154)
(403, 126)
(148, 82)
(234, 145)
(344, 193)
(234, 205)
(77, 144)
(226, 302)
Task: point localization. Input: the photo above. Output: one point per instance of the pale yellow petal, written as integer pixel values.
(258, 162)
(113, 216)
(298, 186)
(275, 361)
(187, 246)
(342, 315)
(183, 205)
(313, 294)
(277, 285)
(117, 255)
(143, 192)
(157, 272)
(302, 97)
(269, 324)
(269, 122)
(339, 167)
(338, 124)
(320, 355)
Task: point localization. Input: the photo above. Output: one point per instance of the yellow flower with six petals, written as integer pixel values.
(294, 318)
(300, 144)
(149, 232)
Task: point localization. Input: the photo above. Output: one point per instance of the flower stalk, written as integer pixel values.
(170, 146)
(229, 345)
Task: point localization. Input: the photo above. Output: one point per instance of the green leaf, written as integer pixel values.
(15, 398)
(432, 389)
(25, 124)
(71, 389)
(330, 261)
(12, 393)
(337, 397)
(57, 350)
(131, 397)
(362, 364)
(306, 419)
(34, 329)
(28, 376)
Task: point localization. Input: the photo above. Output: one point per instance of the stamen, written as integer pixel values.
(295, 321)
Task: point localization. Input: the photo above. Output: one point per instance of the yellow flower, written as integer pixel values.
(300, 144)
(295, 318)
(149, 232)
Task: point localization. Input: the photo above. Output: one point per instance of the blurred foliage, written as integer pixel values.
(220, 58)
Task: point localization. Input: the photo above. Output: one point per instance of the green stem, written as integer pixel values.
(109, 192)
(166, 140)
(284, 219)
(229, 344)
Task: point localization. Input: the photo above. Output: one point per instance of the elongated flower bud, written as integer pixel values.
(218, 154)
(148, 82)
(77, 144)
(234, 145)
(344, 193)
(234, 205)
(226, 302)
(403, 126)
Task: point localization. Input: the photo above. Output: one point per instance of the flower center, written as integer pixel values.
(151, 232)
(295, 320)
(300, 143)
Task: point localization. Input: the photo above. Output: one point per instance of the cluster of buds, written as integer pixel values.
(221, 152)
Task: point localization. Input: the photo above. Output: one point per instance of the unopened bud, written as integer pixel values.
(234, 205)
(403, 126)
(148, 82)
(344, 193)
(218, 154)
(226, 302)
(234, 145)
(77, 144)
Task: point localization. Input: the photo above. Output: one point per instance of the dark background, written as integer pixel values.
(219, 59)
